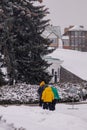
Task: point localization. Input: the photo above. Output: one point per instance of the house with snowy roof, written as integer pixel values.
(54, 68)
(73, 65)
(54, 34)
(75, 37)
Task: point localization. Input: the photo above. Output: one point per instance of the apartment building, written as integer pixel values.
(75, 37)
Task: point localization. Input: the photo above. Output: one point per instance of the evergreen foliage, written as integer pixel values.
(21, 26)
(2, 76)
(2, 80)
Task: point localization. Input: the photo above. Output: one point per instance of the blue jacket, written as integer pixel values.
(40, 90)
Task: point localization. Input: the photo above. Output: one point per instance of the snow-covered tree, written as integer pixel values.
(21, 26)
(2, 76)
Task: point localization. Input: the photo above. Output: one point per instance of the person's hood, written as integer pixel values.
(42, 83)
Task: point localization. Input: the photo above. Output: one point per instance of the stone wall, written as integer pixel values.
(67, 76)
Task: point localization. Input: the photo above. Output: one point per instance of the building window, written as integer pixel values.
(76, 41)
(76, 34)
(52, 72)
(83, 34)
(72, 41)
(55, 77)
(79, 33)
(72, 33)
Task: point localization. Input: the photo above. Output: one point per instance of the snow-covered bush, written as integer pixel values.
(19, 93)
(26, 93)
(72, 92)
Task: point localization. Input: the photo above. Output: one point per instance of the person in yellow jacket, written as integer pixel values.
(47, 98)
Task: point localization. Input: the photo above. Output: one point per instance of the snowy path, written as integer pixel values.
(33, 118)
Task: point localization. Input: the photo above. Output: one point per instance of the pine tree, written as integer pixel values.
(23, 44)
(2, 76)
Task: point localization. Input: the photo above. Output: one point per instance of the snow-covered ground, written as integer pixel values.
(74, 61)
(65, 117)
(34, 117)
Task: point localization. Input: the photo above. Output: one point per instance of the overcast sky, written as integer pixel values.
(67, 12)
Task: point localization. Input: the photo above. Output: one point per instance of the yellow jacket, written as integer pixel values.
(47, 95)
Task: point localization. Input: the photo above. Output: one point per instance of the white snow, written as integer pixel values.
(65, 37)
(60, 44)
(77, 28)
(65, 117)
(4, 70)
(74, 61)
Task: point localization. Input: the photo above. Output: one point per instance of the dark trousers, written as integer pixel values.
(40, 102)
(53, 104)
(47, 105)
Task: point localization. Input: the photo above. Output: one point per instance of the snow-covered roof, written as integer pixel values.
(49, 58)
(74, 61)
(65, 37)
(52, 29)
(77, 28)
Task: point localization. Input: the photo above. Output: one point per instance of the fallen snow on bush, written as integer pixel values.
(21, 93)
(25, 93)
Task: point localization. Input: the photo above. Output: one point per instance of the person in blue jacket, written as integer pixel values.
(40, 90)
(56, 97)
